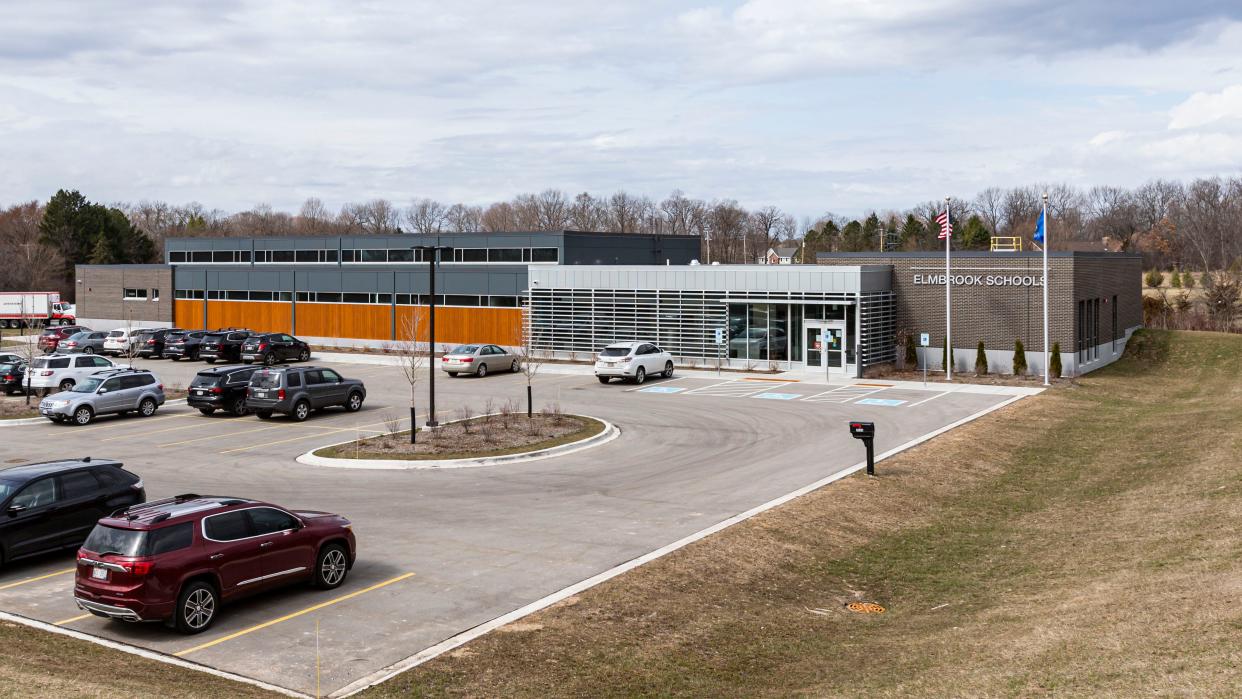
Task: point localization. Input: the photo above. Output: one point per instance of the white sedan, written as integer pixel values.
(634, 361)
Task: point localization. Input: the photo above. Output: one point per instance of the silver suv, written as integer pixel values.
(104, 392)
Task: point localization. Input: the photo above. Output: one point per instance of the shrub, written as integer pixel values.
(1154, 279)
(1176, 280)
(912, 353)
(1154, 310)
(944, 357)
(1054, 363)
(981, 360)
(1188, 280)
(1019, 359)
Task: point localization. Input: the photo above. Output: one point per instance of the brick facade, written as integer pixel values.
(101, 293)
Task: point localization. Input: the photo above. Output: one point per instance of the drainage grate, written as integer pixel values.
(865, 607)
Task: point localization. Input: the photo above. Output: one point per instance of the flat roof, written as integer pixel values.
(748, 277)
(984, 254)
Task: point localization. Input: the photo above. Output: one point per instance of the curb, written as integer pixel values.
(42, 420)
(609, 433)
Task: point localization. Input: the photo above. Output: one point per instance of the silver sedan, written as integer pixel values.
(479, 360)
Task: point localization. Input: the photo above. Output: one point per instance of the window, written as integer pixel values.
(83, 362)
(243, 255)
(222, 256)
(504, 255)
(314, 377)
(374, 256)
(293, 380)
(169, 539)
(400, 255)
(545, 255)
(470, 255)
(328, 297)
(306, 256)
(262, 296)
(265, 520)
(200, 256)
(304, 296)
(460, 300)
(78, 484)
(137, 380)
(286, 338)
(503, 301)
(176, 257)
(353, 297)
(113, 384)
(328, 255)
(330, 376)
(282, 256)
(155, 294)
(138, 294)
(236, 295)
(41, 493)
(229, 526)
(404, 299)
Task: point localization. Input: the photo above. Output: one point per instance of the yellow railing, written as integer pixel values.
(1006, 244)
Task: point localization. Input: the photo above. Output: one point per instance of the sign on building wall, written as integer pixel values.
(981, 279)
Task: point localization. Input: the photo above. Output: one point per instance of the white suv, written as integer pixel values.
(118, 340)
(63, 371)
(634, 361)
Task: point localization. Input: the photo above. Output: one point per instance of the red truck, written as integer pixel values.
(25, 309)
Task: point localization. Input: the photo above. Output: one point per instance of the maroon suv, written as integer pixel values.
(177, 560)
(51, 337)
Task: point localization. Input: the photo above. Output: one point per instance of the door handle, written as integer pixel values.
(216, 556)
(265, 544)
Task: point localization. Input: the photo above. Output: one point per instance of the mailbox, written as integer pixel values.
(862, 430)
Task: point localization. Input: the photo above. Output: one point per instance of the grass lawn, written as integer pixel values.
(1080, 543)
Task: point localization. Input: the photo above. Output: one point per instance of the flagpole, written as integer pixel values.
(1046, 242)
(948, 300)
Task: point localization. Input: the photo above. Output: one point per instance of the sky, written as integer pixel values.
(812, 106)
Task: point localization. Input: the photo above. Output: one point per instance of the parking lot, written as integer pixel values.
(443, 551)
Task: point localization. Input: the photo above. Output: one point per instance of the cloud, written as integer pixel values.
(1207, 107)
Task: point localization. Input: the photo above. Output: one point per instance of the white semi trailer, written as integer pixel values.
(25, 309)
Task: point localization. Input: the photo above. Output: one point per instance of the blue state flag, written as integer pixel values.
(1039, 228)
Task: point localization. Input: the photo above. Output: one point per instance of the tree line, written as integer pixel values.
(1195, 225)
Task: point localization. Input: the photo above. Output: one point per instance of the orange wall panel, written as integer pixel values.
(260, 316)
(187, 313)
(501, 326)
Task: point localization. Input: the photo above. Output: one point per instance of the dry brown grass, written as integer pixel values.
(1081, 543)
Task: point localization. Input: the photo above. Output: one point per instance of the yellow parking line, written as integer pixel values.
(131, 435)
(287, 617)
(70, 620)
(38, 578)
(331, 430)
(218, 436)
(108, 425)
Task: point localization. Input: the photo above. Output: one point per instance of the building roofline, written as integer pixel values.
(975, 254)
(423, 237)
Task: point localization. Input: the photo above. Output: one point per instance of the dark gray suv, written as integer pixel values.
(296, 391)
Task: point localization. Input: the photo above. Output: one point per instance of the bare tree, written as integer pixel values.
(553, 210)
(314, 217)
(463, 219)
(29, 345)
(525, 212)
(377, 216)
(623, 212)
(587, 213)
(413, 357)
(529, 360)
(989, 205)
(426, 217)
(1113, 214)
(498, 217)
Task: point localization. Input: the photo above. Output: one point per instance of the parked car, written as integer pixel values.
(296, 391)
(224, 345)
(151, 342)
(184, 344)
(118, 341)
(51, 337)
(221, 388)
(12, 377)
(634, 361)
(62, 371)
(178, 560)
(10, 358)
(107, 392)
(274, 347)
(53, 505)
(479, 360)
(85, 342)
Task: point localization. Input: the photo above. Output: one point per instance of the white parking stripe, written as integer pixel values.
(844, 394)
(735, 389)
(927, 399)
(661, 383)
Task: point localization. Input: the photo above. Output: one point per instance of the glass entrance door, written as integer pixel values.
(814, 347)
(825, 346)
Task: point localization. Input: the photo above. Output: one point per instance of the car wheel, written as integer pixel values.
(481, 371)
(175, 359)
(83, 415)
(238, 408)
(301, 410)
(263, 414)
(331, 567)
(513, 368)
(206, 411)
(304, 356)
(453, 374)
(211, 360)
(88, 350)
(66, 385)
(269, 359)
(640, 375)
(196, 608)
(147, 407)
(354, 404)
(604, 379)
(668, 370)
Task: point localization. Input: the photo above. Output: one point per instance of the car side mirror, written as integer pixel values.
(102, 391)
(297, 524)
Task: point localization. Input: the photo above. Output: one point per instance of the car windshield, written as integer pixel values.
(213, 337)
(6, 368)
(465, 349)
(87, 385)
(615, 352)
(265, 379)
(174, 336)
(7, 488)
(204, 380)
(124, 542)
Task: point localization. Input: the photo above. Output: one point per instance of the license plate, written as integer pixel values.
(260, 394)
(610, 363)
(200, 393)
(99, 574)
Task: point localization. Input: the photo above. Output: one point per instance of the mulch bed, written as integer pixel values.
(476, 437)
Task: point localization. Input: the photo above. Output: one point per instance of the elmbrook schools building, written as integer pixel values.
(581, 291)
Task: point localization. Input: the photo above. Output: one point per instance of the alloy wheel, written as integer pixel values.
(200, 606)
(332, 570)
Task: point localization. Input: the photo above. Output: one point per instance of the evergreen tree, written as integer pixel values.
(1188, 280)
(981, 361)
(1176, 280)
(101, 253)
(1019, 359)
(1054, 363)
(913, 233)
(852, 237)
(975, 235)
(912, 353)
(871, 233)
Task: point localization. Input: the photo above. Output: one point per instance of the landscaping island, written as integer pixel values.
(486, 436)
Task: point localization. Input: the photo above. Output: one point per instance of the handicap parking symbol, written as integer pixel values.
(661, 389)
(779, 396)
(889, 402)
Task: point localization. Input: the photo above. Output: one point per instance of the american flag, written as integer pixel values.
(946, 225)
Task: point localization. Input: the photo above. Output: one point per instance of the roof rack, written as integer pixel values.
(130, 511)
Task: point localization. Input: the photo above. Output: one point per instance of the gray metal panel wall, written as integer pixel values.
(629, 249)
(730, 278)
(492, 279)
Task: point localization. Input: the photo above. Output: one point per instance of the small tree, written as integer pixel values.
(944, 357)
(30, 344)
(529, 360)
(1176, 280)
(413, 358)
(1188, 280)
(1154, 279)
(981, 360)
(912, 352)
(1019, 359)
(1054, 363)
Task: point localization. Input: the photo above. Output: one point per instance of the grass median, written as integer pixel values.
(1079, 543)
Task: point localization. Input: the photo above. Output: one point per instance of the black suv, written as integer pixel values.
(12, 374)
(274, 347)
(150, 343)
(55, 504)
(221, 388)
(184, 344)
(296, 391)
(224, 344)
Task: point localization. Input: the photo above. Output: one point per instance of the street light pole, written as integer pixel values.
(432, 252)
